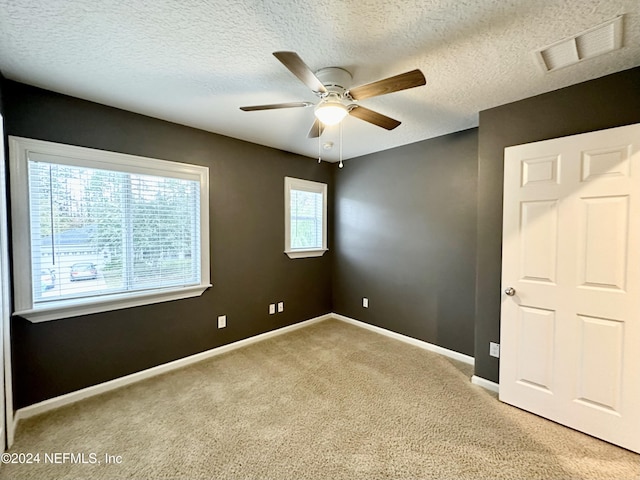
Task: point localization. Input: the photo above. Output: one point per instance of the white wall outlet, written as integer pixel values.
(280, 307)
(365, 302)
(494, 349)
(272, 309)
(222, 321)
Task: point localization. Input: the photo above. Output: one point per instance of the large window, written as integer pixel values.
(305, 218)
(96, 231)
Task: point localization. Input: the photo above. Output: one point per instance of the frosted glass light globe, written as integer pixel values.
(331, 113)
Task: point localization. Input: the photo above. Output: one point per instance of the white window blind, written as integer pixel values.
(305, 218)
(104, 230)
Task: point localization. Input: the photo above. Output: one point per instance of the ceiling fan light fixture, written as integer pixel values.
(331, 113)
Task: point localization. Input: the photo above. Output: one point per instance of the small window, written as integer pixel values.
(95, 231)
(305, 228)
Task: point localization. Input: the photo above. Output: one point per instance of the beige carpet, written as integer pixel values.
(330, 401)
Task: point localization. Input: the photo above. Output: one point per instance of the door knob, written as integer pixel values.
(510, 291)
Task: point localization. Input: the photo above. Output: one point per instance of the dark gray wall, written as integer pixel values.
(606, 102)
(405, 234)
(2, 80)
(248, 267)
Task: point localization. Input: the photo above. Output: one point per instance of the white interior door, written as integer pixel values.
(570, 331)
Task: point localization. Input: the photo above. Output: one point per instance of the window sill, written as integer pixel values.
(305, 253)
(77, 307)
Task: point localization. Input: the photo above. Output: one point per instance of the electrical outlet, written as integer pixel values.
(494, 349)
(272, 309)
(280, 307)
(222, 321)
(365, 302)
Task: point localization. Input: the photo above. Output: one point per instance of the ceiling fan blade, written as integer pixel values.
(411, 79)
(276, 105)
(373, 117)
(294, 63)
(316, 129)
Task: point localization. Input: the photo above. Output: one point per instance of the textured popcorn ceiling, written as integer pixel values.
(195, 62)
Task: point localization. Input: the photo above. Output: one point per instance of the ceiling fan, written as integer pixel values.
(337, 100)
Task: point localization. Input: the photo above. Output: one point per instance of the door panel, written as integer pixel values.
(535, 352)
(538, 233)
(607, 162)
(540, 170)
(570, 336)
(600, 367)
(603, 234)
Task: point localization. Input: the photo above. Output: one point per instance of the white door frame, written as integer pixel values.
(5, 312)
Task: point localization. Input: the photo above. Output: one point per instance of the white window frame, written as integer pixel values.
(19, 151)
(291, 183)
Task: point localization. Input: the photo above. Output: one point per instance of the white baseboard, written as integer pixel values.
(484, 383)
(412, 341)
(73, 397)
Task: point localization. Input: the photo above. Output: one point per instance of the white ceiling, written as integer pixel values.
(195, 62)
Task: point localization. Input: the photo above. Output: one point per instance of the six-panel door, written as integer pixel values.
(570, 336)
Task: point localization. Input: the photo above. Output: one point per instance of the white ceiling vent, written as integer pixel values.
(600, 39)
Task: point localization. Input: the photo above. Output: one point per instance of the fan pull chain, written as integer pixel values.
(319, 144)
(340, 165)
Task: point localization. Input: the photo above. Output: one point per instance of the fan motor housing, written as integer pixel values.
(335, 79)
